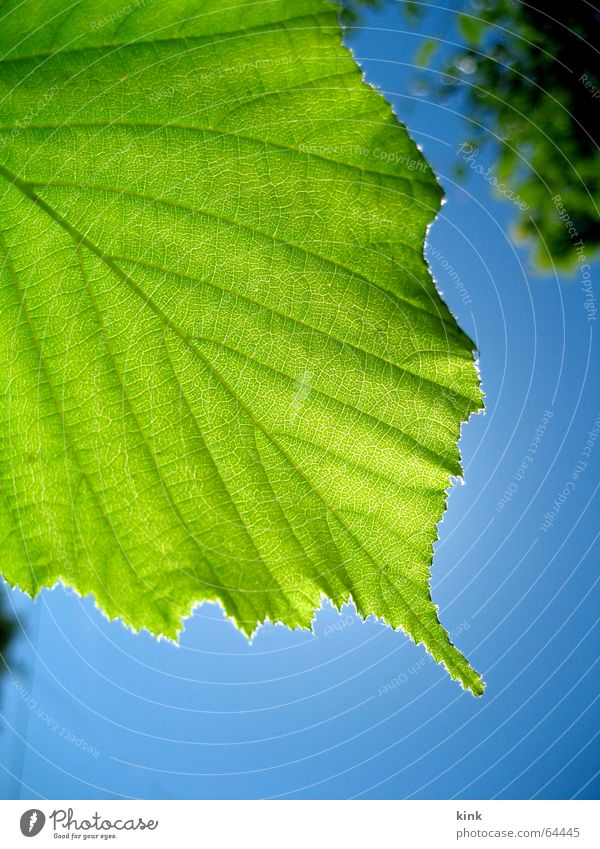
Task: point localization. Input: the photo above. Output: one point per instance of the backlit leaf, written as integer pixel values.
(226, 371)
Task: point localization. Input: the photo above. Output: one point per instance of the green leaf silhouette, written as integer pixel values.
(227, 372)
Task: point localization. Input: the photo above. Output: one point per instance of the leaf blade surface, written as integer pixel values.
(229, 375)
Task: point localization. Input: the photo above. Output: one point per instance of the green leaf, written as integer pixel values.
(426, 52)
(471, 28)
(227, 372)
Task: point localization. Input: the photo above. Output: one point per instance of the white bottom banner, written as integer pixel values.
(302, 824)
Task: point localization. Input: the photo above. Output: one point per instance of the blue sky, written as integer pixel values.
(355, 709)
